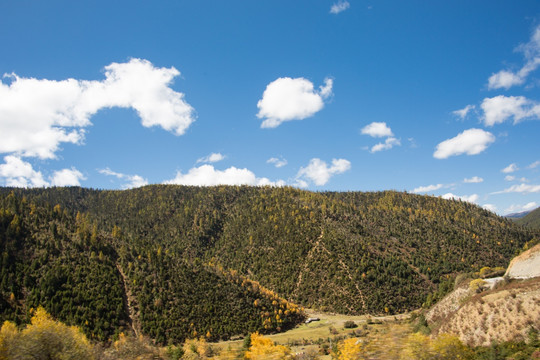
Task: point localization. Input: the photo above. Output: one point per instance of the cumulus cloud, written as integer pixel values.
(339, 7)
(133, 181)
(473, 180)
(506, 78)
(501, 108)
(462, 113)
(469, 198)
(377, 129)
(287, 99)
(37, 115)
(509, 178)
(19, 173)
(490, 207)
(319, 172)
(207, 175)
(423, 189)
(212, 158)
(510, 169)
(67, 177)
(521, 188)
(520, 208)
(387, 145)
(470, 142)
(278, 162)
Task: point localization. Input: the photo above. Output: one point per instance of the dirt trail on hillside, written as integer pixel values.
(129, 300)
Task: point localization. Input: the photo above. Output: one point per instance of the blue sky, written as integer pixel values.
(431, 97)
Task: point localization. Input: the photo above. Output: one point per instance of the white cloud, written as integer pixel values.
(67, 177)
(531, 50)
(278, 162)
(19, 173)
(37, 115)
(473, 180)
(470, 142)
(320, 173)
(287, 99)
(501, 108)
(387, 145)
(212, 158)
(133, 181)
(377, 129)
(534, 165)
(504, 79)
(206, 175)
(490, 207)
(469, 198)
(509, 178)
(520, 208)
(510, 169)
(339, 7)
(462, 113)
(521, 188)
(422, 189)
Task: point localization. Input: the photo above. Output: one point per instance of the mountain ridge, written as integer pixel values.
(351, 252)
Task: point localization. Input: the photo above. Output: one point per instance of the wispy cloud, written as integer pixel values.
(428, 188)
(521, 188)
(520, 208)
(534, 165)
(510, 169)
(133, 181)
(212, 158)
(473, 180)
(340, 6)
(462, 113)
(387, 145)
(507, 78)
(277, 162)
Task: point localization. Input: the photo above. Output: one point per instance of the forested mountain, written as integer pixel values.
(175, 261)
(532, 219)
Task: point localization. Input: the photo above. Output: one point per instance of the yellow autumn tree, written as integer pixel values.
(46, 337)
(196, 349)
(448, 347)
(263, 348)
(444, 347)
(349, 349)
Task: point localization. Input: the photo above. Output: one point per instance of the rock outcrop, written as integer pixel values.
(526, 265)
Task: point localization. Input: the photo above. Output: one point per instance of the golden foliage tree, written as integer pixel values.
(349, 349)
(197, 349)
(44, 338)
(444, 347)
(263, 348)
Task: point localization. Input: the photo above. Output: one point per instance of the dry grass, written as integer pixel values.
(383, 336)
(503, 314)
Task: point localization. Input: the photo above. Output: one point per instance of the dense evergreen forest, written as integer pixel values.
(532, 219)
(176, 262)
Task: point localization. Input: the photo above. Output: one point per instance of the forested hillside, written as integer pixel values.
(532, 219)
(175, 261)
